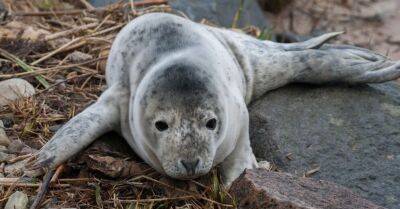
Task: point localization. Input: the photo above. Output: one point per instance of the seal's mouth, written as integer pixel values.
(184, 173)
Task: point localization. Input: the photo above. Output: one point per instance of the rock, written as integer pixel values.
(263, 189)
(220, 12)
(102, 3)
(274, 6)
(17, 146)
(77, 57)
(13, 89)
(4, 157)
(16, 169)
(1, 187)
(3, 148)
(4, 140)
(18, 200)
(351, 133)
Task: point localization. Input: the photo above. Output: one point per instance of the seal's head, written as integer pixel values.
(182, 118)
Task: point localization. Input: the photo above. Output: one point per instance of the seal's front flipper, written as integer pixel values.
(241, 158)
(78, 133)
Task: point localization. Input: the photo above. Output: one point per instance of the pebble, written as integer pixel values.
(14, 89)
(78, 56)
(18, 200)
(4, 140)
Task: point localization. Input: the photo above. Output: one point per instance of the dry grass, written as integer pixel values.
(39, 42)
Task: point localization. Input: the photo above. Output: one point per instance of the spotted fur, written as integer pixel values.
(165, 68)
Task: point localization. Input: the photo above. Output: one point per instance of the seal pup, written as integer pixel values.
(178, 93)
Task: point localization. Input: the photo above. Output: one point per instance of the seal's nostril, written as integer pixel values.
(190, 166)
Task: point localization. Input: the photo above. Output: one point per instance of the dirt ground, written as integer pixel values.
(373, 24)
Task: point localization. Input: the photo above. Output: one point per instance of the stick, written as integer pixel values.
(51, 69)
(55, 51)
(42, 189)
(87, 5)
(70, 31)
(19, 158)
(16, 180)
(81, 11)
(154, 200)
(33, 185)
(58, 172)
(24, 66)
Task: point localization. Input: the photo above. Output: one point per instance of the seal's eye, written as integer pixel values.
(211, 124)
(161, 125)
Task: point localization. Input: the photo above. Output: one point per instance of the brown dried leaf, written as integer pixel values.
(115, 167)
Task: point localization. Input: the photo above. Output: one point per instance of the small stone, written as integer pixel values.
(78, 56)
(61, 86)
(55, 128)
(1, 187)
(3, 148)
(16, 146)
(4, 140)
(260, 188)
(18, 200)
(15, 169)
(265, 165)
(14, 89)
(4, 157)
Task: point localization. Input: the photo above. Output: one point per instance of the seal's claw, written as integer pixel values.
(386, 73)
(36, 164)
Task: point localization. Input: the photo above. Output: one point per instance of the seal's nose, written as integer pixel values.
(190, 166)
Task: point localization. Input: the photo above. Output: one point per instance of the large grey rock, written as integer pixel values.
(259, 189)
(13, 89)
(18, 200)
(220, 12)
(351, 133)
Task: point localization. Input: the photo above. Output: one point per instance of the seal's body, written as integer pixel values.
(178, 92)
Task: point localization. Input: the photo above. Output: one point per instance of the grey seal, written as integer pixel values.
(178, 92)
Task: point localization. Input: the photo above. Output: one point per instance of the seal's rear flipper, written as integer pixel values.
(268, 65)
(313, 43)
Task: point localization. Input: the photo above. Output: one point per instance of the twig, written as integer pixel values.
(181, 190)
(311, 172)
(81, 11)
(148, 2)
(24, 66)
(70, 31)
(21, 184)
(154, 199)
(51, 69)
(62, 12)
(16, 180)
(58, 172)
(19, 158)
(55, 51)
(87, 5)
(42, 189)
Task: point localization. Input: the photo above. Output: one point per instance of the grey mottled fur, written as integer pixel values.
(165, 68)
